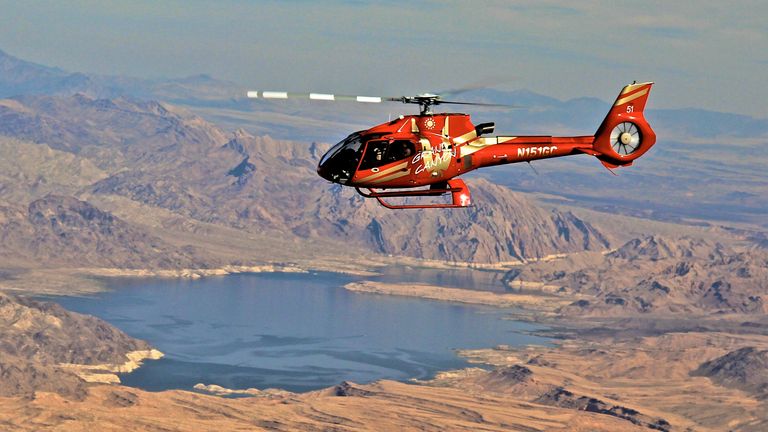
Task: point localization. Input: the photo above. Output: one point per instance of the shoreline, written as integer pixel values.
(107, 373)
(581, 365)
(543, 303)
(190, 273)
(84, 280)
(79, 281)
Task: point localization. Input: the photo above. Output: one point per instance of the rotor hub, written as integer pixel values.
(626, 138)
(425, 101)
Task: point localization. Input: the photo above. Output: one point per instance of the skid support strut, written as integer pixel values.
(459, 191)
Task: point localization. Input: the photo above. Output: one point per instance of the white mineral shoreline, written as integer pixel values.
(218, 271)
(190, 273)
(107, 373)
(457, 295)
(253, 392)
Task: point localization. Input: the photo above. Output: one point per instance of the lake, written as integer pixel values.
(297, 332)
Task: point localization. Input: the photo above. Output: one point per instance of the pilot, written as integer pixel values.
(407, 151)
(400, 150)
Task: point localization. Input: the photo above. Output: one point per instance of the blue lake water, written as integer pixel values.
(293, 331)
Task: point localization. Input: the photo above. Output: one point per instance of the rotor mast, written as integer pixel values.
(425, 101)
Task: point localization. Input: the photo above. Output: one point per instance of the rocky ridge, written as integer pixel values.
(41, 340)
(523, 383)
(745, 369)
(659, 275)
(64, 231)
(158, 156)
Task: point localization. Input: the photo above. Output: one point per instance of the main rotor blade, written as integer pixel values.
(319, 96)
(442, 102)
(488, 83)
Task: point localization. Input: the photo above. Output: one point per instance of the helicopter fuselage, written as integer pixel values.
(433, 149)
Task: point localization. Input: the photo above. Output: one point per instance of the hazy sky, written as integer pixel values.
(708, 53)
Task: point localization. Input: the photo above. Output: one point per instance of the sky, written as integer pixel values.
(706, 54)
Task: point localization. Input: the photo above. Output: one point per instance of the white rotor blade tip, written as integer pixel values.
(321, 96)
(369, 99)
(252, 94)
(275, 95)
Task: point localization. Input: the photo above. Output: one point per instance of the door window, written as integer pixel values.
(379, 153)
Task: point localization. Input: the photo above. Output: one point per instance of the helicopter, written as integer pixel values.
(423, 155)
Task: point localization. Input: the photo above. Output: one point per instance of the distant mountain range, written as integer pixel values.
(97, 139)
(707, 165)
(540, 113)
(19, 77)
(63, 231)
(154, 156)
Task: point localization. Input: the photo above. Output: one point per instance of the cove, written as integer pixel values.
(296, 332)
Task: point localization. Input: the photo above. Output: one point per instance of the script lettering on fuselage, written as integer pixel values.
(523, 152)
(434, 159)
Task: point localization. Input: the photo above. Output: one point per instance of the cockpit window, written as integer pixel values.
(342, 159)
(374, 154)
(400, 149)
(378, 153)
(352, 142)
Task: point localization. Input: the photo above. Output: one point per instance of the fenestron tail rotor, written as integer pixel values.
(425, 101)
(625, 138)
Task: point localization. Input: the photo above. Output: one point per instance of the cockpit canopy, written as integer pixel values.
(362, 152)
(340, 162)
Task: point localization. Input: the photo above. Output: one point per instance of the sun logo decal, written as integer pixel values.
(430, 123)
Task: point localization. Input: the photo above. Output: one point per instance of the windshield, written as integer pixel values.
(352, 141)
(340, 162)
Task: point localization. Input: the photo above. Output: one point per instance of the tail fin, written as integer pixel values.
(625, 135)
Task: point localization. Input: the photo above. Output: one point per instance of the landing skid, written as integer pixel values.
(459, 191)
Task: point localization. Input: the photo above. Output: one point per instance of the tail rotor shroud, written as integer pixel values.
(625, 138)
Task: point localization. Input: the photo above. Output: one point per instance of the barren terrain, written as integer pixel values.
(655, 289)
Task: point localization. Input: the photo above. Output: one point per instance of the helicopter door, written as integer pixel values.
(379, 153)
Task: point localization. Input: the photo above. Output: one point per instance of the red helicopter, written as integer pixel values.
(422, 155)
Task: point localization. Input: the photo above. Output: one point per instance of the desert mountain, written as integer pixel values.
(21, 77)
(39, 337)
(525, 384)
(161, 157)
(546, 114)
(659, 274)
(64, 231)
(745, 369)
(502, 226)
(693, 143)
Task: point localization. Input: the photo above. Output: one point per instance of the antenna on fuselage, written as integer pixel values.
(534, 169)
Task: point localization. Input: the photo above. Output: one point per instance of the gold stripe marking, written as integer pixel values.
(632, 87)
(468, 150)
(466, 137)
(483, 142)
(385, 172)
(391, 177)
(630, 98)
